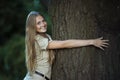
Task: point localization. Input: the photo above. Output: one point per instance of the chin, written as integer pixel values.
(42, 31)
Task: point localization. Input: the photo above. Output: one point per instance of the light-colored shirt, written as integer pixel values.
(42, 57)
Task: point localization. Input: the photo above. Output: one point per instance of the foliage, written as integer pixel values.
(12, 22)
(12, 59)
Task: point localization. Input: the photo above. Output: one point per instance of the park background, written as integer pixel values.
(12, 34)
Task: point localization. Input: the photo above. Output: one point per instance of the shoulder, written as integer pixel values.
(42, 41)
(40, 38)
(37, 37)
(48, 35)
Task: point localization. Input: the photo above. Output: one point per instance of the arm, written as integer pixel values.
(77, 43)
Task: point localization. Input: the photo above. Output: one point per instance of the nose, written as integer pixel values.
(43, 23)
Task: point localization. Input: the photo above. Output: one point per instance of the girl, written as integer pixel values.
(39, 46)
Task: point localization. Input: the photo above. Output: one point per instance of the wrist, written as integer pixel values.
(92, 42)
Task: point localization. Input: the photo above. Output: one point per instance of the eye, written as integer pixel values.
(39, 22)
(43, 20)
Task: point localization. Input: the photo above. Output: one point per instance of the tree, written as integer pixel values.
(85, 19)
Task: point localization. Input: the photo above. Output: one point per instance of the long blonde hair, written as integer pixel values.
(30, 42)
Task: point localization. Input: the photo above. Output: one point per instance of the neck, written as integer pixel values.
(42, 34)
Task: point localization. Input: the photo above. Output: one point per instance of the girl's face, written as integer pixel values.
(41, 25)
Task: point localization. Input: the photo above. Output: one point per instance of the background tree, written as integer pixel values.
(85, 19)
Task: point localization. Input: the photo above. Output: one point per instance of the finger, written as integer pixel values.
(101, 48)
(104, 46)
(100, 38)
(105, 40)
(105, 43)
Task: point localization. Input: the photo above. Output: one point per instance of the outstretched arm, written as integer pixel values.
(99, 42)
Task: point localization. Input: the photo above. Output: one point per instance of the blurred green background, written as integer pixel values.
(12, 35)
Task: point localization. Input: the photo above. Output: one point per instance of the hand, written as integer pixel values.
(100, 43)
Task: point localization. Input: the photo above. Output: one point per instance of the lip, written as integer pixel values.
(43, 28)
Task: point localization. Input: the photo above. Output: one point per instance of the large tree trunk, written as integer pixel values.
(77, 19)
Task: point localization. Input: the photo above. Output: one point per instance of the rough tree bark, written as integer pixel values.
(79, 19)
